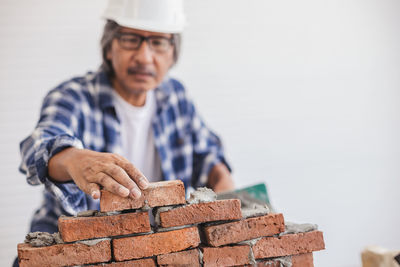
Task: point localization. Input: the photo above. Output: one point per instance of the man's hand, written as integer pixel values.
(220, 179)
(90, 170)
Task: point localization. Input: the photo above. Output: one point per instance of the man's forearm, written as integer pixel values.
(57, 165)
(220, 179)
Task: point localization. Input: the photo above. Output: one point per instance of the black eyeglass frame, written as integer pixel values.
(142, 38)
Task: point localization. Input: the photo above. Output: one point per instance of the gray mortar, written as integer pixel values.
(295, 228)
(200, 257)
(250, 242)
(92, 242)
(42, 239)
(284, 261)
(160, 229)
(96, 213)
(87, 213)
(254, 210)
(247, 202)
(146, 206)
(157, 211)
(252, 259)
(202, 195)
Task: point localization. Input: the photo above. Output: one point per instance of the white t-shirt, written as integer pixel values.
(137, 135)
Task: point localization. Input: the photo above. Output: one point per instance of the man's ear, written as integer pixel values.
(108, 54)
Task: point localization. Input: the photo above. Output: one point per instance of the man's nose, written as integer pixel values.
(144, 54)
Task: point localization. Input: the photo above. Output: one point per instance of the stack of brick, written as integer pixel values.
(210, 233)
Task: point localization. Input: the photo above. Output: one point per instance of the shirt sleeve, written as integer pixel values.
(56, 130)
(207, 149)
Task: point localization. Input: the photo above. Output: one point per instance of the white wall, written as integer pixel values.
(304, 93)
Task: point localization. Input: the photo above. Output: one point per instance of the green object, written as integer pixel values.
(258, 191)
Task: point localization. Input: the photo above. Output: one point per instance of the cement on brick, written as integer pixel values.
(92, 242)
(295, 228)
(167, 229)
(87, 213)
(146, 206)
(252, 259)
(246, 199)
(201, 257)
(250, 242)
(285, 261)
(94, 213)
(255, 210)
(42, 239)
(157, 211)
(202, 195)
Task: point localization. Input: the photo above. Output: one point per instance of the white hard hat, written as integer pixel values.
(164, 16)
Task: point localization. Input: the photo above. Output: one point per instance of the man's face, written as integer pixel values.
(142, 69)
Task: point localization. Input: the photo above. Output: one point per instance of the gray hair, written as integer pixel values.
(110, 30)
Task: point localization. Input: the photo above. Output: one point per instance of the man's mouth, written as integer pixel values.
(141, 72)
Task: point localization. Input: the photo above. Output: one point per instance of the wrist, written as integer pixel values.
(60, 164)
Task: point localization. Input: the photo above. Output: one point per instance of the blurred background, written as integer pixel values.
(305, 95)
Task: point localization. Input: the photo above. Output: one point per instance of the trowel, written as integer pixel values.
(255, 194)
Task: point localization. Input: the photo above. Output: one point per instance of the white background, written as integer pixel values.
(304, 93)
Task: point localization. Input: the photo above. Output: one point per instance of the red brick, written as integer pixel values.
(155, 244)
(203, 212)
(226, 256)
(301, 260)
(157, 194)
(188, 258)
(63, 254)
(246, 229)
(291, 244)
(134, 263)
(79, 228)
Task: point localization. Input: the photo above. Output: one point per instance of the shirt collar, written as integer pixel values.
(105, 90)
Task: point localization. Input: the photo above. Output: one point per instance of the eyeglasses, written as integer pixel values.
(133, 41)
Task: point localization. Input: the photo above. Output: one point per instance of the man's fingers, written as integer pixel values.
(133, 173)
(120, 175)
(94, 190)
(111, 185)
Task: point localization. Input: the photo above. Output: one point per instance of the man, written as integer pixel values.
(124, 125)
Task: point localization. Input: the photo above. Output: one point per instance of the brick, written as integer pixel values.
(188, 258)
(301, 260)
(226, 256)
(203, 212)
(158, 194)
(246, 229)
(155, 244)
(134, 263)
(63, 254)
(79, 228)
(291, 244)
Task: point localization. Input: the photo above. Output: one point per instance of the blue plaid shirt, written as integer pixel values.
(80, 113)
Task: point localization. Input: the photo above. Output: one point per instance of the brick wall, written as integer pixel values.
(201, 234)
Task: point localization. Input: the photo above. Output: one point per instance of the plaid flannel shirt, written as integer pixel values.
(80, 113)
